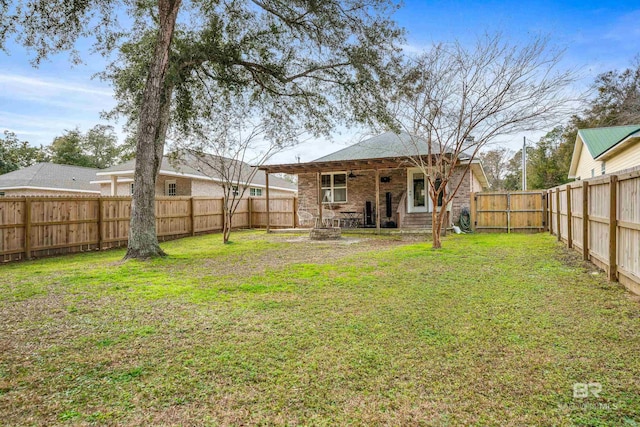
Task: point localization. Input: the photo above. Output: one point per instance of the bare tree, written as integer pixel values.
(454, 100)
(230, 149)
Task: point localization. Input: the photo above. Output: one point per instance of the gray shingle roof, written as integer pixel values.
(188, 164)
(386, 145)
(51, 175)
(167, 166)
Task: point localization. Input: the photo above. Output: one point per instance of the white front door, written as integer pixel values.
(417, 192)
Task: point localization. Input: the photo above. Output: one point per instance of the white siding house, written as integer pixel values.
(607, 150)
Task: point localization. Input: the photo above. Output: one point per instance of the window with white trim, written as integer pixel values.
(603, 168)
(170, 188)
(334, 187)
(2, 193)
(131, 188)
(234, 190)
(255, 192)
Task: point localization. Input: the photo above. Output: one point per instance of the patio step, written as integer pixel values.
(416, 220)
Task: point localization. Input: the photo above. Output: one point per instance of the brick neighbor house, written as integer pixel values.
(373, 184)
(188, 176)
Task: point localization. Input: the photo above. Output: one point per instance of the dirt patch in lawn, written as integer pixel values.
(299, 249)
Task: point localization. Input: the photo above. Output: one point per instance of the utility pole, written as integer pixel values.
(524, 163)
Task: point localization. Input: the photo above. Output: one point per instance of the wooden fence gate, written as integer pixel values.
(509, 212)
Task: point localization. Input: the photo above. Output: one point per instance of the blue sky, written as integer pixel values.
(40, 103)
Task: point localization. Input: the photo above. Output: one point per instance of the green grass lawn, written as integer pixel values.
(275, 330)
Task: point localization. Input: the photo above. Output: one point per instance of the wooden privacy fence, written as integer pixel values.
(514, 211)
(42, 226)
(601, 219)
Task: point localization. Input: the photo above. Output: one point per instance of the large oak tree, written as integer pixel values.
(321, 57)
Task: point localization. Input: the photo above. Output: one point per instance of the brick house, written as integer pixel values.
(189, 177)
(374, 183)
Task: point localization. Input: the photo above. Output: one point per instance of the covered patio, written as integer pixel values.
(349, 168)
(361, 194)
(375, 184)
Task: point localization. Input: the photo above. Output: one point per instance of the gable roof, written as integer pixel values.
(181, 168)
(190, 166)
(51, 176)
(601, 140)
(386, 145)
(602, 143)
(388, 150)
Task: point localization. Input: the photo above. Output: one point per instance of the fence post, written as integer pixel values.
(100, 224)
(508, 212)
(585, 220)
(545, 223)
(569, 219)
(250, 209)
(27, 228)
(550, 211)
(613, 227)
(193, 216)
(295, 209)
(472, 214)
(558, 227)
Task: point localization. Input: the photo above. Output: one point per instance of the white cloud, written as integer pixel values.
(412, 49)
(47, 92)
(39, 108)
(41, 130)
(49, 86)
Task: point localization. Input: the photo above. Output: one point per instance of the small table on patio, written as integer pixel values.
(351, 219)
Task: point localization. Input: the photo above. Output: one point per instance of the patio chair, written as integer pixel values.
(305, 218)
(329, 218)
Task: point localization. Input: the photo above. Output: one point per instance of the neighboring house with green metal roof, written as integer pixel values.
(376, 171)
(189, 176)
(605, 150)
(49, 179)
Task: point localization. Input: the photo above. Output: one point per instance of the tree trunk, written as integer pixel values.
(226, 228)
(152, 129)
(436, 227)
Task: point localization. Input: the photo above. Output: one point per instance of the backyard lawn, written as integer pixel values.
(276, 330)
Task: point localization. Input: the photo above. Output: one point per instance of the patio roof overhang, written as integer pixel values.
(364, 164)
(339, 165)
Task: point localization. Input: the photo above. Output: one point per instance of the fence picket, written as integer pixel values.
(42, 226)
(610, 225)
